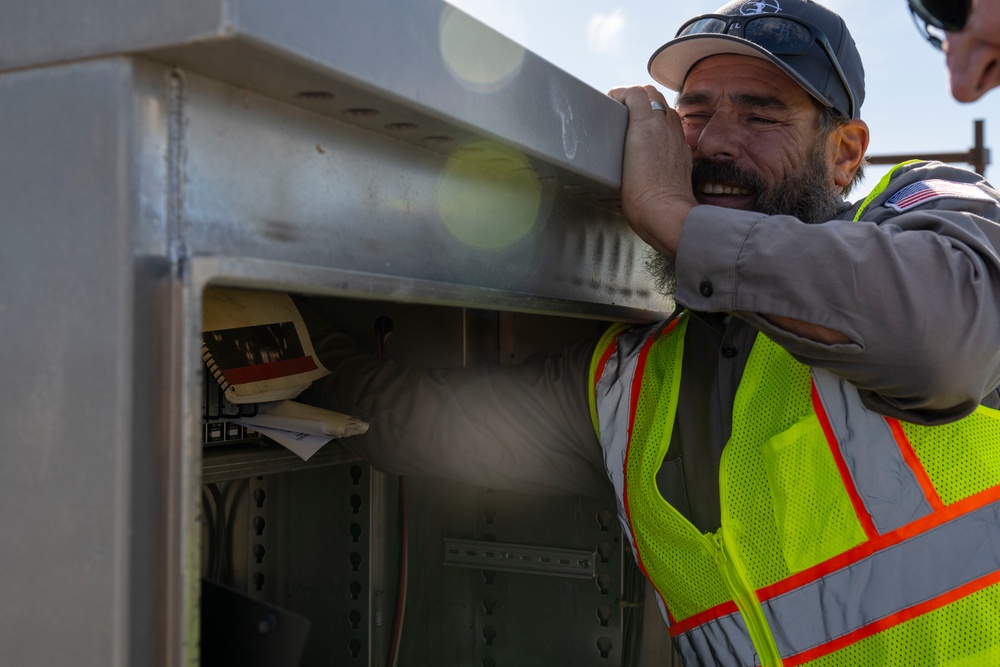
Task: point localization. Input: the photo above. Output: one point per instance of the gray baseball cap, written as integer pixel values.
(805, 39)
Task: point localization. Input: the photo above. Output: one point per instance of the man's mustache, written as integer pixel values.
(726, 173)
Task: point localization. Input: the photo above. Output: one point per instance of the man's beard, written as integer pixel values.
(804, 194)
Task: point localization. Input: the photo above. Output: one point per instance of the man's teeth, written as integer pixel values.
(716, 189)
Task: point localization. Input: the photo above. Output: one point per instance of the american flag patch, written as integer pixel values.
(925, 191)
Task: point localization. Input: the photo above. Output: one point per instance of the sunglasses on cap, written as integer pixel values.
(779, 34)
(936, 17)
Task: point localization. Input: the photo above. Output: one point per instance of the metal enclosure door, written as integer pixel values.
(154, 147)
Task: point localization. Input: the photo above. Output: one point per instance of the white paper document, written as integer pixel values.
(302, 429)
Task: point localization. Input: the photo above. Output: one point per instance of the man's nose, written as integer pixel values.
(718, 138)
(973, 66)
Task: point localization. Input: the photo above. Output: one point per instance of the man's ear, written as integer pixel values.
(846, 148)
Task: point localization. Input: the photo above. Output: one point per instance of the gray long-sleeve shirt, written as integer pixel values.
(917, 293)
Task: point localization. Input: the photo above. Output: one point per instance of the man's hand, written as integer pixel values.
(656, 173)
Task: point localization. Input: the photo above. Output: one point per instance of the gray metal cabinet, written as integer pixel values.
(378, 154)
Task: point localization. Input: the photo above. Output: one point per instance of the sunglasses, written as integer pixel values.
(934, 18)
(780, 34)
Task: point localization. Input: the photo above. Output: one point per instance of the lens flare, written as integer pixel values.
(488, 196)
(479, 58)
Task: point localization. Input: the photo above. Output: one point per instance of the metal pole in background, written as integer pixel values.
(978, 156)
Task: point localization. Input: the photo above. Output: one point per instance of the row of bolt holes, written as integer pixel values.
(604, 644)
(354, 616)
(259, 523)
(604, 518)
(259, 496)
(364, 112)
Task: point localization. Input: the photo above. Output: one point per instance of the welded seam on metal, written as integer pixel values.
(177, 249)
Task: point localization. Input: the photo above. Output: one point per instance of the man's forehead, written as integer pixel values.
(732, 74)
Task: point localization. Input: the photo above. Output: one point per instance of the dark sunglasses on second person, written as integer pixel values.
(934, 18)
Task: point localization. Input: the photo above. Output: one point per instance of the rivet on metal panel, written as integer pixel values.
(176, 159)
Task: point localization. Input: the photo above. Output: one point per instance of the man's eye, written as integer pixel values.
(695, 117)
(761, 120)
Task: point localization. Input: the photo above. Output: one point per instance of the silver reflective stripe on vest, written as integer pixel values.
(613, 398)
(887, 486)
(723, 642)
(892, 579)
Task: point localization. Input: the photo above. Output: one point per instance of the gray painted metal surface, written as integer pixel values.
(263, 180)
(354, 149)
(424, 55)
(81, 489)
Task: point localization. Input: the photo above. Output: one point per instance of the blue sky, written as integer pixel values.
(607, 44)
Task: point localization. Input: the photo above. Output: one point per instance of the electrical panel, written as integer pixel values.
(413, 570)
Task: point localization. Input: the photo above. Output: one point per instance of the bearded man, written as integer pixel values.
(806, 456)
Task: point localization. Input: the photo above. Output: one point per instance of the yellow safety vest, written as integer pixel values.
(847, 538)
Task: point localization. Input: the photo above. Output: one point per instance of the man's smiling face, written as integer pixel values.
(757, 145)
(751, 129)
